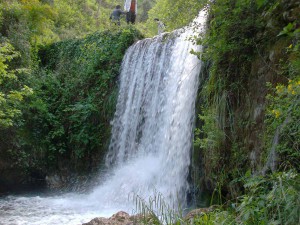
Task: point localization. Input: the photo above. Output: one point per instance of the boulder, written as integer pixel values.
(120, 218)
(123, 218)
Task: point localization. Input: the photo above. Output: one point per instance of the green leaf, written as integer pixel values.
(286, 30)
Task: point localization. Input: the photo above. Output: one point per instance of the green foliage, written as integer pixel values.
(283, 115)
(175, 14)
(33, 23)
(230, 49)
(272, 199)
(156, 211)
(219, 216)
(74, 97)
(269, 200)
(209, 138)
(212, 137)
(69, 115)
(12, 91)
(238, 36)
(143, 8)
(289, 30)
(28, 24)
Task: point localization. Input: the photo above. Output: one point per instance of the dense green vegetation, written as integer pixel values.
(12, 90)
(174, 14)
(76, 96)
(248, 135)
(57, 91)
(65, 119)
(239, 43)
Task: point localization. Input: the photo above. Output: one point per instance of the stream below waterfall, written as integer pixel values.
(151, 140)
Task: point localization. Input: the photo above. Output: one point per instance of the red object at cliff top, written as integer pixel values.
(132, 6)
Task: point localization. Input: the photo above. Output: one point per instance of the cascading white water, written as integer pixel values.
(151, 137)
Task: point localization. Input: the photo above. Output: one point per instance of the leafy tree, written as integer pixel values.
(12, 91)
(175, 14)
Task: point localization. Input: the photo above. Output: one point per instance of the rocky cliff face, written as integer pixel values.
(245, 53)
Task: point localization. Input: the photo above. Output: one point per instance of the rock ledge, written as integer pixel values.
(120, 218)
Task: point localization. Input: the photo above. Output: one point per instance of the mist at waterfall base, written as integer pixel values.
(151, 137)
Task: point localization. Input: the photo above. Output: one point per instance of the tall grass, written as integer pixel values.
(156, 211)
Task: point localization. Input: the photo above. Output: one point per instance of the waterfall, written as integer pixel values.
(151, 135)
(152, 128)
(153, 124)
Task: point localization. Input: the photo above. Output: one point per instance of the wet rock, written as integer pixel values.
(271, 55)
(55, 181)
(70, 182)
(123, 218)
(120, 218)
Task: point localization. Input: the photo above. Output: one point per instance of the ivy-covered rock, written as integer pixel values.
(65, 125)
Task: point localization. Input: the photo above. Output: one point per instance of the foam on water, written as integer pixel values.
(151, 137)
